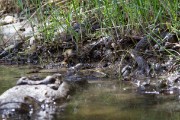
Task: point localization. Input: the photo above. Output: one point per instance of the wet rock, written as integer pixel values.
(22, 97)
(54, 79)
(36, 96)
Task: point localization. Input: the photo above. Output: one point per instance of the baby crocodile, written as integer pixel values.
(143, 67)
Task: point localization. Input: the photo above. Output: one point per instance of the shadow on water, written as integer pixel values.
(106, 100)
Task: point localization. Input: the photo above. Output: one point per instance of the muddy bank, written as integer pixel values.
(150, 53)
(130, 58)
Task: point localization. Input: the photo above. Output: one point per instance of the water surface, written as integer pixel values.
(114, 100)
(106, 100)
(9, 76)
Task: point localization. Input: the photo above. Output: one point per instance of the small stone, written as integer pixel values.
(31, 41)
(68, 53)
(156, 47)
(113, 45)
(9, 19)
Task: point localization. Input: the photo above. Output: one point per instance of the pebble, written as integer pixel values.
(9, 19)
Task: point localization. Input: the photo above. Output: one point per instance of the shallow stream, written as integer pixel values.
(106, 100)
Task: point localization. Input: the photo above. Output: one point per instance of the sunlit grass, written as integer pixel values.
(131, 14)
(125, 17)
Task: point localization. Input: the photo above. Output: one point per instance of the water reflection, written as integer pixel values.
(109, 101)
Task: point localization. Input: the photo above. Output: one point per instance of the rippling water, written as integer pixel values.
(106, 100)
